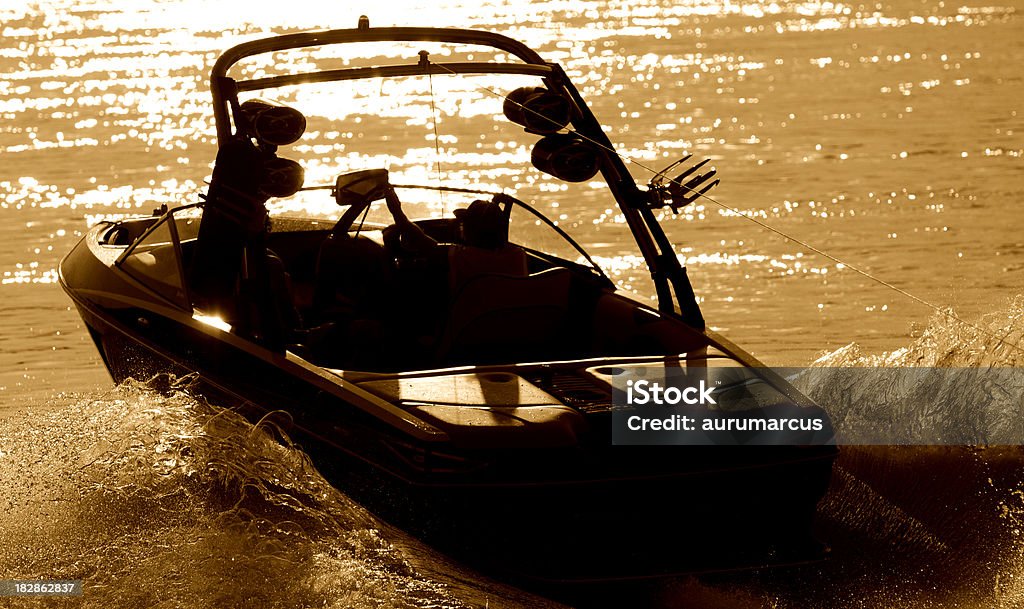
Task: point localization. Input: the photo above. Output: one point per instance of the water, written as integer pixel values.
(886, 133)
(165, 501)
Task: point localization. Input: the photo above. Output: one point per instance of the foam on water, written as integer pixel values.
(997, 340)
(909, 526)
(916, 526)
(167, 501)
(957, 383)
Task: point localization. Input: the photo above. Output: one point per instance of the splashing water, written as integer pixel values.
(910, 527)
(998, 341)
(922, 526)
(956, 384)
(167, 501)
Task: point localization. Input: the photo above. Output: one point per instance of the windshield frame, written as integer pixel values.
(168, 218)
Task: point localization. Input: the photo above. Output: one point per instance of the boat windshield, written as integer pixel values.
(155, 259)
(442, 131)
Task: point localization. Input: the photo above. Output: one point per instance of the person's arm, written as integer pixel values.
(413, 238)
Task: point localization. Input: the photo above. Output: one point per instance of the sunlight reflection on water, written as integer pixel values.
(838, 122)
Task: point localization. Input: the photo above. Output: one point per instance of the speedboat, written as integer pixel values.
(442, 347)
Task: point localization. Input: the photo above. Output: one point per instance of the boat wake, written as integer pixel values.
(955, 384)
(157, 498)
(909, 526)
(995, 340)
(916, 526)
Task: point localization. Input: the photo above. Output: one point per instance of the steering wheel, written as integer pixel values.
(341, 256)
(357, 190)
(393, 243)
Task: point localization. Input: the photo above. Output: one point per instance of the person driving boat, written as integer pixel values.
(483, 246)
(360, 282)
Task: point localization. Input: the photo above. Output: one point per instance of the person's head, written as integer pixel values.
(483, 224)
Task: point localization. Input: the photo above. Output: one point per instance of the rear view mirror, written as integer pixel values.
(361, 186)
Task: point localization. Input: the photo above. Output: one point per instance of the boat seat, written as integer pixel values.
(502, 318)
(279, 283)
(353, 275)
(466, 263)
